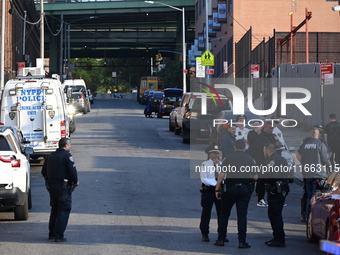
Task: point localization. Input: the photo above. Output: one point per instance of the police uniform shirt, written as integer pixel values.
(277, 167)
(278, 133)
(58, 166)
(242, 134)
(207, 173)
(238, 161)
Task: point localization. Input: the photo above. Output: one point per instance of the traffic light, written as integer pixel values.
(159, 57)
(104, 61)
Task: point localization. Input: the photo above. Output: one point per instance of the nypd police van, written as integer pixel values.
(37, 106)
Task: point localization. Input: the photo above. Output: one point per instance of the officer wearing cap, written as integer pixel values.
(276, 183)
(236, 188)
(208, 175)
(60, 173)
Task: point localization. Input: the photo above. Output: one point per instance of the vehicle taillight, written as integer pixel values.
(62, 129)
(15, 162)
(9, 159)
(5, 158)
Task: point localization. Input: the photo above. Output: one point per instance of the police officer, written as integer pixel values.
(228, 141)
(237, 188)
(314, 156)
(60, 173)
(208, 174)
(276, 183)
(266, 136)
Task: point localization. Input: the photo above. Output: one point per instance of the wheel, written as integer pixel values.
(185, 134)
(171, 127)
(21, 211)
(159, 115)
(309, 230)
(29, 199)
(84, 111)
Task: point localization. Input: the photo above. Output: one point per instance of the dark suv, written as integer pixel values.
(171, 99)
(189, 117)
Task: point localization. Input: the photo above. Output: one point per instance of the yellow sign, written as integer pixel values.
(208, 59)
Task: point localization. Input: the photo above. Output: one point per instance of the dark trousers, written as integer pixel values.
(60, 201)
(304, 200)
(275, 206)
(240, 196)
(260, 189)
(208, 199)
(310, 191)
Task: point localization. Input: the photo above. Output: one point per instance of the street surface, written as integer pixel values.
(136, 196)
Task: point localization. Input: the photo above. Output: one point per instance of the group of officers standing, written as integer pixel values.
(261, 148)
(236, 187)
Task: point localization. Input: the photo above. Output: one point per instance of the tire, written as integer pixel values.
(177, 131)
(159, 115)
(185, 134)
(21, 211)
(84, 111)
(309, 230)
(171, 127)
(29, 199)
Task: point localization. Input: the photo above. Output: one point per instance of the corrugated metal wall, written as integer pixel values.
(308, 76)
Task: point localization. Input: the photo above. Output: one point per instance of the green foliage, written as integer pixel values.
(98, 77)
(172, 75)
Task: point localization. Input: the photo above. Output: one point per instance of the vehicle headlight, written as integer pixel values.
(71, 109)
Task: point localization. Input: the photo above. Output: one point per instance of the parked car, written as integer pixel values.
(15, 188)
(155, 101)
(324, 214)
(190, 119)
(77, 100)
(145, 96)
(172, 119)
(17, 133)
(71, 111)
(171, 99)
(78, 85)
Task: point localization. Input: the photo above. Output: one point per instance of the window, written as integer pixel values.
(4, 146)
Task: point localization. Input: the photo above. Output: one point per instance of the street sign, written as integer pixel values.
(255, 71)
(200, 70)
(225, 66)
(114, 74)
(208, 59)
(210, 71)
(327, 74)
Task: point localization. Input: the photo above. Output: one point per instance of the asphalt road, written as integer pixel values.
(137, 196)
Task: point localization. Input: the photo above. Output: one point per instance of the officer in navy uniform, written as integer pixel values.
(237, 188)
(60, 173)
(276, 183)
(208, 174)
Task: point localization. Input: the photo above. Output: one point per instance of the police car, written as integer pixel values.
(15, 191)
(37, 106)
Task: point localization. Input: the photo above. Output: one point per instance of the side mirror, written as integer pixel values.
(28, 150)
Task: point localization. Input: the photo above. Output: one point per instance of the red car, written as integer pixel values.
(324, 216)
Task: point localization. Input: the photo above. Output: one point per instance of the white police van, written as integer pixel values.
(37, 106)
